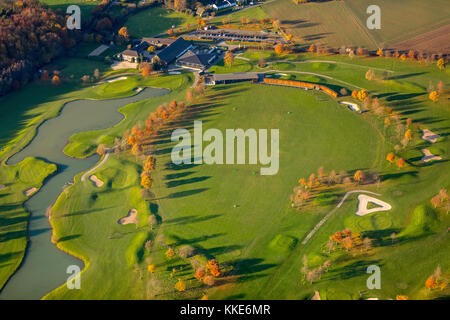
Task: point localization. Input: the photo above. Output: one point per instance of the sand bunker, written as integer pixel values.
(430, 136)
(117, 79)
(351, 105)
(97, 182)
(130, 218)
(30, 191)
(428, 156)
(365, 199)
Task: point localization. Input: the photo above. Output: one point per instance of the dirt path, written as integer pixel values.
(83, 177)
(324, 219)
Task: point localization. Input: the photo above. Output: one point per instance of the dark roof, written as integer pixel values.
(130, 52)
(159, 41)
(173, 51)
(236, 76)
(190, 57)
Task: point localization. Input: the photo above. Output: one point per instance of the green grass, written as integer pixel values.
(85, 6)
(30, 173)
(212, 227)
(238, 65)
(207, 207)
(154, 21)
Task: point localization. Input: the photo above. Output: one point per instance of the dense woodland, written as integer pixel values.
(30, 36)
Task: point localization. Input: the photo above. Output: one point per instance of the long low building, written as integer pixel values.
(225, 78)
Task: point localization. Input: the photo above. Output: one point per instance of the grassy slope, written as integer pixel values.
(337, 23)
(190, 195)
(192, 213)
(154, 21)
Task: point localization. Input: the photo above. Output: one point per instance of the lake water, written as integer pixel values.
(44, 266)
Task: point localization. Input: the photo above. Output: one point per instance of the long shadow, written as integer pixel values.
(352, 270)
(245, 269)
(66, 238)
(81, 212)
(177, 183)
(193, 241)
(7, 221)
(408, 75)
(397, 175)
(20, 234)
(182, 194)
(172, 176)
(191, 219)
(10, 255)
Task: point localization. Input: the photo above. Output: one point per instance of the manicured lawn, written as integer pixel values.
(208, 207)
(85, 6)
(18, 178)
(154, 21)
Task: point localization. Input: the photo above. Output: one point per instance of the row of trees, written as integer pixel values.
(310, 187)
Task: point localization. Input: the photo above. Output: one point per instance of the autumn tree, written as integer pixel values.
(441, 64)
(213, 267)
(146, 181)
(200, 273)
(390, 157)
(101, 149)
(56, 80)
(229, 58)
(434, 96)
(431, 282)
(146, 69)
(359, 176)
(380, 52)
(180, 285)
(370, 75)
(170, 253)
(151, 268)
(209, 280)
(400, 162)
(123, 32)
(362, 94)
(279, 49)
(408, 134)
(436, 201)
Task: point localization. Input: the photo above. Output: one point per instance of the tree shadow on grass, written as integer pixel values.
(182, 194)
(176, 183)
(352, 270)
(398, 175)
(407, 75)
(71, 237)
(247, 269)
(191, 219)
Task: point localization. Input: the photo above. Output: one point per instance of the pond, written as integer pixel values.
(44, 266)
